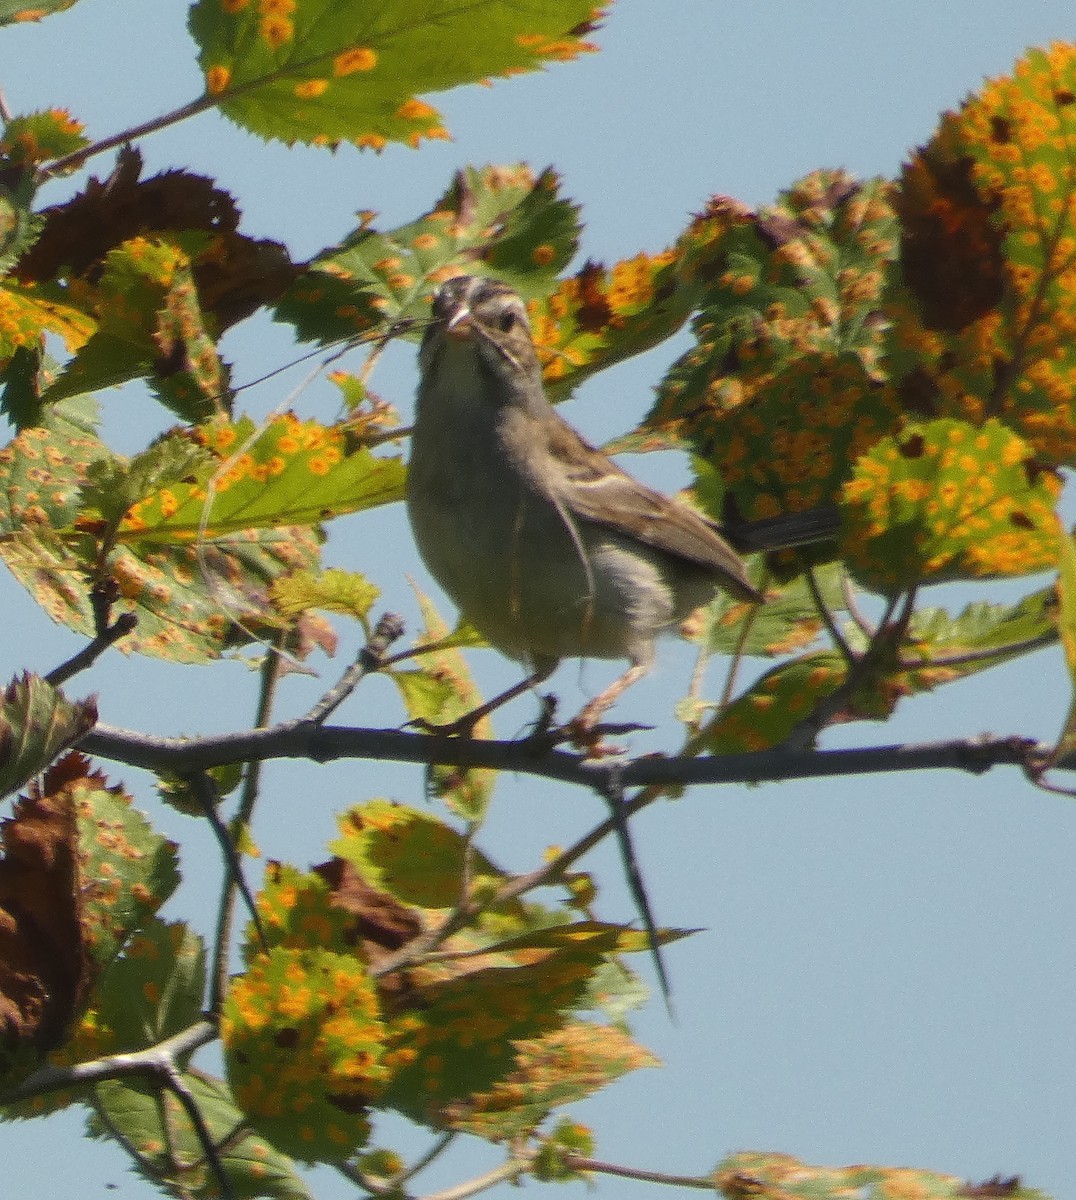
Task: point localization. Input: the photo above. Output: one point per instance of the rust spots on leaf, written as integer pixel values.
(45, 969)
(234, 274)
(951, 253)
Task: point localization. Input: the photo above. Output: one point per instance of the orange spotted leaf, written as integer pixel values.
(496, 219)
(303, 1044)
(599, 316)
(36, 137)
(132, 869)
(289, 472)
(149, 321)
(984, 325)
(948, 500)
(461, 1036)
(410, 854)
(36, 724)
(785, 386)
(765, 1176)
(325, 71)
(773, 706)
(560, 1067)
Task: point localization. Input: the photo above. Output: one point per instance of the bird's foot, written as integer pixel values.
(591, 737)
(462, 727)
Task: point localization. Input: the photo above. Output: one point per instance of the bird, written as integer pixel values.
(546, 546)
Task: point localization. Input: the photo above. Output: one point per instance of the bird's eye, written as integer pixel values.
(507, 321)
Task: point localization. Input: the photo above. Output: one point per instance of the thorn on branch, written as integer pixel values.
(612, 792)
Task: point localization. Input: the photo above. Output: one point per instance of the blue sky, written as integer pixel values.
(887, 972)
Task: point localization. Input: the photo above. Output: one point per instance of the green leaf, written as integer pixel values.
(168, 1152)
(303, 1043)
(411, 855)
(18, 224)
(333, 590)
(981, 636)
(115, 485)
(552, 1162)
(784, 387)
(180, 795)
(150, 322)
(325, 71)
(136, 868)
(948, 500)
(36, 724)
(782, 1177)
(561, 1067)
(496, 220)
(15, 11)
(37, 137)
(154, 989)
(439, 691)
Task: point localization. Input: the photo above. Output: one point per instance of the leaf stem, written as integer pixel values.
(76, 159)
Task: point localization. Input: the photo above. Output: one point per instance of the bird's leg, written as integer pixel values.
(584, 723)
(464, 726)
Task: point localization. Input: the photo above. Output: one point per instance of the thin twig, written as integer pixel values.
(579, 1162)
(424, 1160)
(270, 676)
(826, 617)
(74, 160)
(204, 788)
(803, 734)
(370, 659)
(153, 1062)
(851, 604)
(92, 651)
(737, 656)
(202, 1132)
(505, 1173)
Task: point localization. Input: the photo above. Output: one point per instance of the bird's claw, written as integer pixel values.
(461, 727)
(590, 737)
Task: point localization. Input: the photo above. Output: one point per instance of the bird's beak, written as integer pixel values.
(458, 324)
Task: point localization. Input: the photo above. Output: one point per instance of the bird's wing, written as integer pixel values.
(595, 489)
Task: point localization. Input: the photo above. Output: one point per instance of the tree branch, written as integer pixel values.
(156, 1062)
(329, 742)
(93, 650)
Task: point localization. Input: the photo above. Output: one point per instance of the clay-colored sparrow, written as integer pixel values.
(547, 547)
